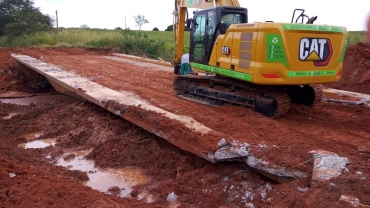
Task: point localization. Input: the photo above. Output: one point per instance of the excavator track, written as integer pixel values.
(216, 90)
(271, 101)
(308, 95)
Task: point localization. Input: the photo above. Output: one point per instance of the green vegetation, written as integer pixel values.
(356, 37)
(149, 43)
(19, 17)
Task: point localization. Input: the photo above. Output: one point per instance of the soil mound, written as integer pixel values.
(356, 70)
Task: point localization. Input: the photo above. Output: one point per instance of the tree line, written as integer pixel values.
(20, 17)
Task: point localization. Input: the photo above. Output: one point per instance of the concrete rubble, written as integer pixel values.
(327, 165)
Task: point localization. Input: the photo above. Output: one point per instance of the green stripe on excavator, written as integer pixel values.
(310, 27)
(314, 73)
(225, 72)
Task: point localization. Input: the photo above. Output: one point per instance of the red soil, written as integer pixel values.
(198, 183)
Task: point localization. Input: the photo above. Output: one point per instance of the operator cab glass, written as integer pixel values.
(207, 25)
(228, 19)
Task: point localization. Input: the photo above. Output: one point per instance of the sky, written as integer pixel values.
(111, 14)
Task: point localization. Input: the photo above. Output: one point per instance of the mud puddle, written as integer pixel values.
(38, 144)
(110, 181)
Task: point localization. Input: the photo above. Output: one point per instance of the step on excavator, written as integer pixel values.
(265, 66)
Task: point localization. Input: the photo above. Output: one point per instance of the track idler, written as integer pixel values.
(307, 95)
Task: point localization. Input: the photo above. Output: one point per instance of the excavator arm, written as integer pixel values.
(181, 15)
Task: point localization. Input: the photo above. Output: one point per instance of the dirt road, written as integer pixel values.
(115, 143)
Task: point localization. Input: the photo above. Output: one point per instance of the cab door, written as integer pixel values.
(198, 39)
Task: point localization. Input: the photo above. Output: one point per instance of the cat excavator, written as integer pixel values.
(265, 66)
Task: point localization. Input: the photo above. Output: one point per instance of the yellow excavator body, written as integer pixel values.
(279, 54)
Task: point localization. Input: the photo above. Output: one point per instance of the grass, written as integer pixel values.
(151, 43)
(356, 37)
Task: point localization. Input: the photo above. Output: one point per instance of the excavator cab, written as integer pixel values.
(207, 25)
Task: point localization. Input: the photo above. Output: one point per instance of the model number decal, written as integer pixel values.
(225, 50)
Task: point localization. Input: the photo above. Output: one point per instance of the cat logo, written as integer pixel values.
(318, 50)
(226, 50)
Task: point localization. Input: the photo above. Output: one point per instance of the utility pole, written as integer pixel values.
(56, 13)
(125, 23)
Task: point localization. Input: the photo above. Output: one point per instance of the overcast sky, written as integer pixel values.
(111, 13)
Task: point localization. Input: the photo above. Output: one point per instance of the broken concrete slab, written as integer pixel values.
(350, 201)
(359, 99)
(327, 165)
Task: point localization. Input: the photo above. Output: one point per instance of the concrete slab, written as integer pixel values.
(350, 201)
(327, 165)
(359, 97)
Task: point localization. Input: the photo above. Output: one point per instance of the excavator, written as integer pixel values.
(265, 66)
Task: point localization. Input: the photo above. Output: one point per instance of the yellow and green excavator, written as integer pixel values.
(263, 65)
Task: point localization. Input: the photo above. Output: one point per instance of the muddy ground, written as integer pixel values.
(30, 178)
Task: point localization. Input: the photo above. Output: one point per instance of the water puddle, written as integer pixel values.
(33, 135)
(11, 115)
(105, 180)
(38, 144)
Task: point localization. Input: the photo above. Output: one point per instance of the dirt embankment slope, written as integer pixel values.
(356, 70)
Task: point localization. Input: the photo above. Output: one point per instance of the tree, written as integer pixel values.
(84, 26)
(155, 29)
(27, 21)
(8, 8)
(140, 20)
(169, 28)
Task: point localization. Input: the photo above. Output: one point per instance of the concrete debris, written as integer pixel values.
(302, 190)
(350, 201)
(278, 173)
(262, 145)
(327, 165)
(234, 149)
(249, 205)
(172, 197)
(263, 196)
(347, 102)
(222, 143)
(12, 175)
